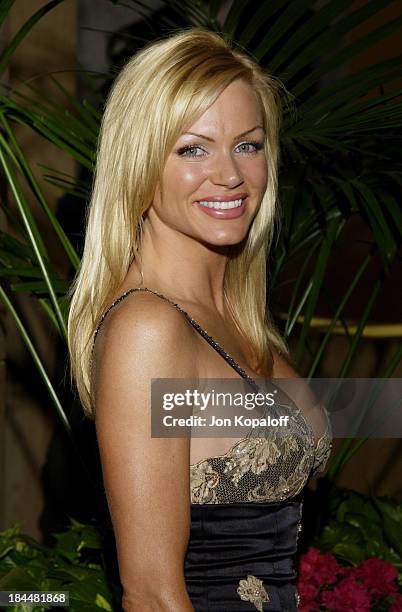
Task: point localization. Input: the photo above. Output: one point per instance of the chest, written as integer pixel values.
(212, 363)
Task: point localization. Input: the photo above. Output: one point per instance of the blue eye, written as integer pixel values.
(257, 146)
(190, 150)
(187, 151)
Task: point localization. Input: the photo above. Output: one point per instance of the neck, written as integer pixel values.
(182, 267)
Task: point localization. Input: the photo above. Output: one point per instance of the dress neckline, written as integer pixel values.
(203, 332)
(228, 358)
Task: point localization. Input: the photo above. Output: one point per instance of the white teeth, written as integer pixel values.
(222, 205)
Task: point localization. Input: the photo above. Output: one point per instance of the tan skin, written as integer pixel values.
(183, 257)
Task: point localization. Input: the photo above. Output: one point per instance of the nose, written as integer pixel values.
(226, 172)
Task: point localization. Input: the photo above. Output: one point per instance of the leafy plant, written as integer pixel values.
(361, 526)
(76, 563)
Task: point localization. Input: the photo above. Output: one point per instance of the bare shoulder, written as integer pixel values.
(141, 338)
(146, 329)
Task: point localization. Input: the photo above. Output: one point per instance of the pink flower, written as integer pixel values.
(396, 605)
(308, 562)
(309, 606)
(377, 575)
(317, 568)
(322, 582)
(347, 595)
(307, 591)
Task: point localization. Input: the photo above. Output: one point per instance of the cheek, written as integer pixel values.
(257, 173)
(183, 180)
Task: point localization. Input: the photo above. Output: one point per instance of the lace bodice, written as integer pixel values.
(262, 469)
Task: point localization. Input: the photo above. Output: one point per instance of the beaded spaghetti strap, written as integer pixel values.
(196, 326)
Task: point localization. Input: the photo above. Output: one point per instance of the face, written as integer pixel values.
(216, 175)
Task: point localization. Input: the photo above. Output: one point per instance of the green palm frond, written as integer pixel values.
(5, 8)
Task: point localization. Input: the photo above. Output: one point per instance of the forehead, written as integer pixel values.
(237, 108)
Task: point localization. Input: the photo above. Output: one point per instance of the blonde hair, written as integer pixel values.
(159, 93)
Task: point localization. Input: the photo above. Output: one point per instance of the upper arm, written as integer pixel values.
(146, 479)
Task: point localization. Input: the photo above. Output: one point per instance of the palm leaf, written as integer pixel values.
(5, 7)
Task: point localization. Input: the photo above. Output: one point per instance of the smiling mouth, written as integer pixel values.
(222, 205)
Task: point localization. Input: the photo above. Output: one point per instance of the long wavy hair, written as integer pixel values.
(160, 93)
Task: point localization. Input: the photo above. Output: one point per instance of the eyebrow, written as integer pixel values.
(239, 136)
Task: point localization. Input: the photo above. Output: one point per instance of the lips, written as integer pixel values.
(223, 213)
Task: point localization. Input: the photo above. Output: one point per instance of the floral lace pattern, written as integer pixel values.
(260, 469)
(252, 589)
(322, 453)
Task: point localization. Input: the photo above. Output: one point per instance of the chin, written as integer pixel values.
(225, 239)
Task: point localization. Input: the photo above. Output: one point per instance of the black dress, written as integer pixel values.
(246, 508)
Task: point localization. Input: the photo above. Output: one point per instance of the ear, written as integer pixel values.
(281, 367)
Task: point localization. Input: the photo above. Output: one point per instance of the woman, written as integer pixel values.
(179, 227)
